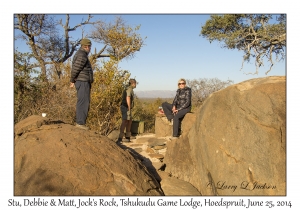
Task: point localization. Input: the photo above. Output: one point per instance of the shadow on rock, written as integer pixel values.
(144, 160)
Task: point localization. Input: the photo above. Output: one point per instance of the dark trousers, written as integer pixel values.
(83, 101)
(177, 118)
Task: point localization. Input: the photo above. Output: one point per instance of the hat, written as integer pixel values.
(85, 42)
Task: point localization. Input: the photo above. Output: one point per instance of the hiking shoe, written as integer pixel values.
(82, 126)
(119, 140)
(127, 139)
(130, 138)
(174, 138)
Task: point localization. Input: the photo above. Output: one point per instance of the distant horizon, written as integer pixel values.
(155, 93)
(137, 90)
(168, 94)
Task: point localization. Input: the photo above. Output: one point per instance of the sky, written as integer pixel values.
(160, 63)
(175, 49)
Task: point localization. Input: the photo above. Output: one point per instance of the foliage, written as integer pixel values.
(32, 96)
(145, 111)
(119, 40)
(37, 32)
(106, 97)
(254, 34)
(202, 88)
(59, 101)
(51, 47)
(25, 89)
(48, 88)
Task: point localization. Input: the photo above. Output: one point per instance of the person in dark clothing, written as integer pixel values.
(82, 78)
(179, 108)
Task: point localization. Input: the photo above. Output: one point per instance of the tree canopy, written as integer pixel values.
(259, 36)
(50, 40)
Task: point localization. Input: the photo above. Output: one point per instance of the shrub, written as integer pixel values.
(106, 97)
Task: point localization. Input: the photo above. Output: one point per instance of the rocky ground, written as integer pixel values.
(151, 150)
(55, 158)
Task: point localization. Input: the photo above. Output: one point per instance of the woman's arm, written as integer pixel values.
(175, 101)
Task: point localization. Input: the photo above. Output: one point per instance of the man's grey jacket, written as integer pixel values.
(81, 67)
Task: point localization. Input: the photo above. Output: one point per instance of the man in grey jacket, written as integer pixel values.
(82, 78)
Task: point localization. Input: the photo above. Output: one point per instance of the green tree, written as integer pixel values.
(259, 36)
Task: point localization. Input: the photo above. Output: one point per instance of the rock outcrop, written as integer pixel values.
(53, 158)
(162, 127)
(236, 144)
(151, 150)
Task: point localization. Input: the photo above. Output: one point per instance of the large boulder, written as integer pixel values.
(53, 158)
(237, 145)
(163, 127)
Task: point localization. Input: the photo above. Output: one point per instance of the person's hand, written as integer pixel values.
(173, 108)
(71, 84)
(128, 115)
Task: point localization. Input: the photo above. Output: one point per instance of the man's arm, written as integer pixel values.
(128, 102)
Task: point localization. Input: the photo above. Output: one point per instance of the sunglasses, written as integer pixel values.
(181, 83)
